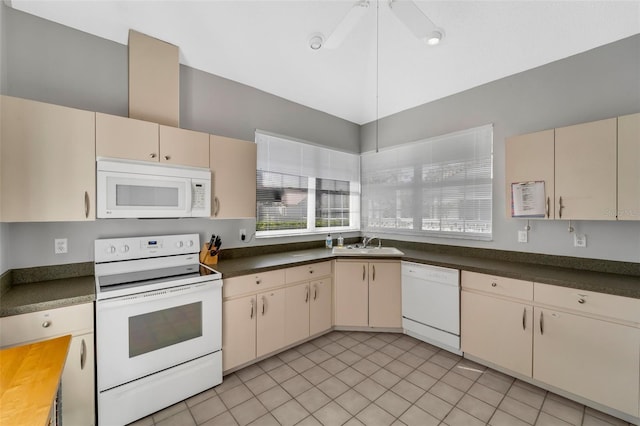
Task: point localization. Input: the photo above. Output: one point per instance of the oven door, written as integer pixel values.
(145, 333)
(132, 195)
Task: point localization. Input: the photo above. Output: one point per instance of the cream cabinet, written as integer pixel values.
(497, 320)
(238, 331)
(233, 164)
(78, 383)
(131, 139)
(629, 167)
(270, 334)
(586, 171)
(368, 294)
(268, 311)
(588, 344)
(529, 158)
(320, 306)
(48, 162)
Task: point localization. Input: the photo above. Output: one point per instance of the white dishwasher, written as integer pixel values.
(431, 304)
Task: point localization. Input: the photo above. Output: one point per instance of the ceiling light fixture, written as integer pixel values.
(316, 41)
(416, 21)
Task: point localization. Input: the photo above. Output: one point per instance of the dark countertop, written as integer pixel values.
(22, 296)
(602, 282)
(49, 294)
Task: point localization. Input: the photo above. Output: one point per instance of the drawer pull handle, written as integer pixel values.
(252, 309)
(524, 319)
(541, 324)
(152, 155)
(560, 207)
(264, 302)
(363, 272)
(167, 157)
(306, 297)
(46, 324)
(548, 204)
(86, 204)
(374, 272)
(83, 354)
(493, 284)
(315, 292)
(581, 301)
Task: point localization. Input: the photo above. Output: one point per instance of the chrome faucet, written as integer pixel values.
(367, 240)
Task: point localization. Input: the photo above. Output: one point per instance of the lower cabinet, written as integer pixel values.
(238, 331)
(78, 382)
(581, 342)
(268, 311)
(595, 359)
(368, 294)
(499, 331)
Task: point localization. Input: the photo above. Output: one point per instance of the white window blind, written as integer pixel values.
(304, 188)
(439, 186)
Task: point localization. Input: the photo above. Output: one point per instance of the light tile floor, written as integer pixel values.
(356, 378)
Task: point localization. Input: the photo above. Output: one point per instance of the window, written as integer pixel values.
(303, 188)
(440, 186)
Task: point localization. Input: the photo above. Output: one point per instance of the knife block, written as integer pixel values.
(205, 256)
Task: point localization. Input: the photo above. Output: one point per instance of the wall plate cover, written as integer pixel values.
(523, 236)
(579, 240)
(60, 245)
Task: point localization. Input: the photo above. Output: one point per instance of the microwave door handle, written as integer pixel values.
(189, 194)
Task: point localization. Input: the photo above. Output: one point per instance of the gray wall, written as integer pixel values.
(598, 84)
(53, 63)
(3, 52)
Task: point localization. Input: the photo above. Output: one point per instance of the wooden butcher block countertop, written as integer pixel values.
(29, 380)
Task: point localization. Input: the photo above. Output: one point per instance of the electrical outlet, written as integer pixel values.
(523, 236)
(579, 240)
(243, 234)
(60, 245)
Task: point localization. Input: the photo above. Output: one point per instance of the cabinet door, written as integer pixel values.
(122, 137)
(352, 294)
(233, 164)
(48, 162)
(585, 171)
(271, 321)
(595, 359)
(297, 300)
(529, 158)
(320, 309)
(78, 388)
(498, 331)
(629, 167)
(238, 331)
(184, 147)
(385, 295)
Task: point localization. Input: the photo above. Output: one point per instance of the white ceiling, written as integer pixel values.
(263, 43)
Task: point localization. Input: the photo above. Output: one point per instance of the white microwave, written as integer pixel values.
(134, 189)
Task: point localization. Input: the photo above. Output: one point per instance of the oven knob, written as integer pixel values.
(124, 249)
(190, 243)
(179, 244)
(111, 249)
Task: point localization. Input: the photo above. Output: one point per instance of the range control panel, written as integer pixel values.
(117, 249)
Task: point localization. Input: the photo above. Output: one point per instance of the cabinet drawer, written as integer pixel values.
(497, 285)
(307, 272)
(252, 283)
(24, 328)
(589, 302)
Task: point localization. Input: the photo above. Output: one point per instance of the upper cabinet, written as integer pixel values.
(629, 167)
(131, 139)
(591, 171)
(529, 158)
(585, 171)
(233, 164)
(48, 162)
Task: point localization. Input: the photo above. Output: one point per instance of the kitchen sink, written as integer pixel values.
(369, 251)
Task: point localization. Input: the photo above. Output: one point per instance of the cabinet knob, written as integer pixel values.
(581, 301)
(167, 157)
(311, 271)
(258, 282)
(152, 155)
(46, 324)
(493, 284)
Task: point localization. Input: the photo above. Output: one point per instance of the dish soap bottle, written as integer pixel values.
(340, 241)
(329, 242)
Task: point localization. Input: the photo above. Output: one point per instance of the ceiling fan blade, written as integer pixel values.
(413, 18)
(348, 23)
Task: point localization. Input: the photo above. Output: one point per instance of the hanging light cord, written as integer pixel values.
(377, 67)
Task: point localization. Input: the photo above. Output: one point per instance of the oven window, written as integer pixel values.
(159, 329)
(147, 196)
